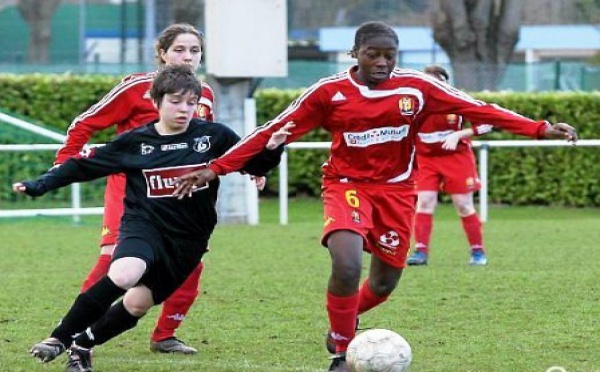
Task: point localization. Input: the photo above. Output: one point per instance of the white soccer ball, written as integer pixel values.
(378, 350)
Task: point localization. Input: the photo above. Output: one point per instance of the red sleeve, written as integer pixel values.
(443, 98)
(307, 112)
(114, 108)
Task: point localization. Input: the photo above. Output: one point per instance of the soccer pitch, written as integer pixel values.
(262, 307)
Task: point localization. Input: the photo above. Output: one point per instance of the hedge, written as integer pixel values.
(566, 176)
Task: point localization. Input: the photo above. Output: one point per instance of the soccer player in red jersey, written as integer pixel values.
(373, 111)
(446, 162)
(128, 105)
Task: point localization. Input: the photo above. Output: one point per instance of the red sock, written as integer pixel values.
(342, 313)
(472, 226)
(99, 270)
(368, 299)
(423, 227)
(176, 307)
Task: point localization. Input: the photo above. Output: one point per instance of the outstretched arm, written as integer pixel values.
(95, 163)
(267, 159)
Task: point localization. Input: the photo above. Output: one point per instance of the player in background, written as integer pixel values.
(162, 239)
(128, 105)
(373, 111)
(447, 162)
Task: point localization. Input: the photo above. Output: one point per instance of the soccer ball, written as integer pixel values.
(378, 350)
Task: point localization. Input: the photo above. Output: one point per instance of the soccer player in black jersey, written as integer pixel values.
(162, 238)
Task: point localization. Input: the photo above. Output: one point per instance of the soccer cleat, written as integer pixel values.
(80, 359)
(171, 345)
(330, 342)
(47, 350)
(418, 258)
(338, 363)
(478, 258)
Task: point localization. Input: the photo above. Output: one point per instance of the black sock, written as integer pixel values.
(88, 307)
(114, 322)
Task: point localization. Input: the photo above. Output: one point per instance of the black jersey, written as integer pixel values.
(151, 163)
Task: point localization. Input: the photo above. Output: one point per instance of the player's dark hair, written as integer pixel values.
(437, 71)
(175, 79)
(169, 34)
(370, 30)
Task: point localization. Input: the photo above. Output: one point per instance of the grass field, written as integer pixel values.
(262, 309)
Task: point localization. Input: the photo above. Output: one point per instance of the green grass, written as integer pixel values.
(262, 305)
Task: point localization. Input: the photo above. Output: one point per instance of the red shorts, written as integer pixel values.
(381, 214)
(113, 208)
(454, 174)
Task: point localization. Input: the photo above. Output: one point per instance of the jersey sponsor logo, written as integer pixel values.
(389, 242)
(174, 146)
(435, 137)
(338, 97)
(160, 182)
(202, 144)
(376, 136)
(146, 149)
(407, 106)
(355, 216)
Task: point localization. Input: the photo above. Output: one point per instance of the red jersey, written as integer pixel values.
(435, 128)
(128, 105)
(373, 129)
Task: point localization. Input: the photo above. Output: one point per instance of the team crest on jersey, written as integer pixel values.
(202, 112)
(407, 106)
(451, 119)
(146, 149)
(202, 144)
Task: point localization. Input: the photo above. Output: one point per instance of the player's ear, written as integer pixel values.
(353, 52)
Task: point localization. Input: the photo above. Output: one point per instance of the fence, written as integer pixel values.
(483, 146)
(76, 209)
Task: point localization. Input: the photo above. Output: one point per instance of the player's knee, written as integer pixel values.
(465, 209)
(138, 301)
(346, 273)
(426, 204)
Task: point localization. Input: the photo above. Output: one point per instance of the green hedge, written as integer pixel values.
(545, 176)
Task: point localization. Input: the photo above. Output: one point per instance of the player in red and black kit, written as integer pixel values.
(127, 106)
(373, 112)
(447, 162)
(161, 239)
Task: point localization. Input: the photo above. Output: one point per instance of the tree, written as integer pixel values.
(38, 14)
(479, 37)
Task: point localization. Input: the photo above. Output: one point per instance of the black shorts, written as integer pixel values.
(170, 260)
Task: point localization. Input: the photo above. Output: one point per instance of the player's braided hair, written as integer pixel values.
(372, 29)
(175, 79)
(168, 35)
